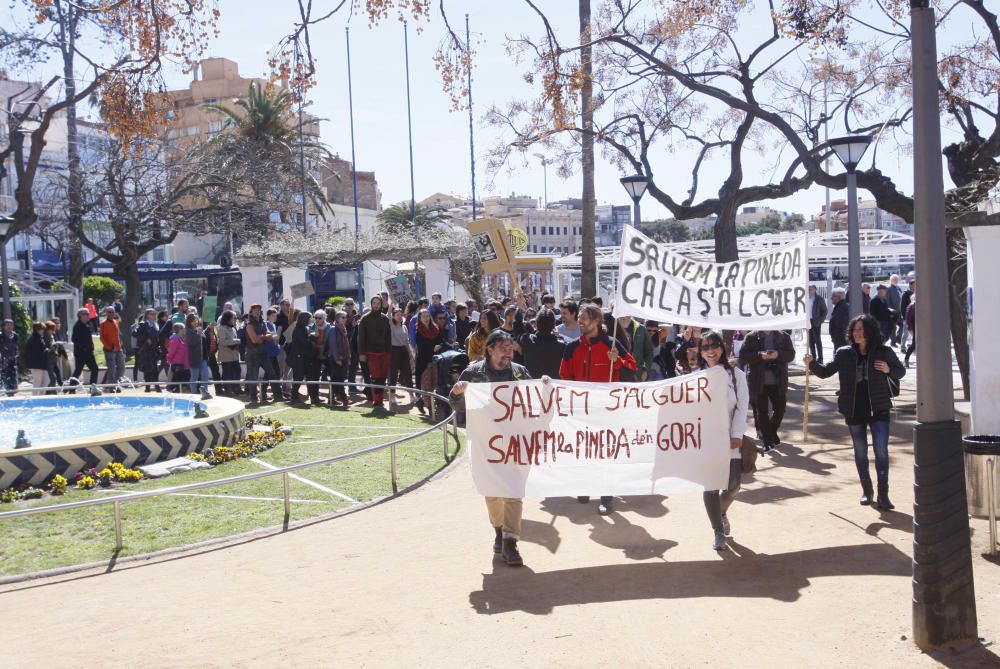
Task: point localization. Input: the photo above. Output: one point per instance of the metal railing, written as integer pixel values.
(282, 471)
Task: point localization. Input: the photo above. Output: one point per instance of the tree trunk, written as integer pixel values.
(129, 272)
(588, 261)
(74, 194)
(958, 316)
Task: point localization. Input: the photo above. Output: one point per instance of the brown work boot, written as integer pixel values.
(510, 554)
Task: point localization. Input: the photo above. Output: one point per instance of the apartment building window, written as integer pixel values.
(565, 230)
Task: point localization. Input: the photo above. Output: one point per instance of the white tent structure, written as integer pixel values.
(43, 299)
(882, 248)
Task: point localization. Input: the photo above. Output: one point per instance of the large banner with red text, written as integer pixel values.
(766, 291)
(535, 439)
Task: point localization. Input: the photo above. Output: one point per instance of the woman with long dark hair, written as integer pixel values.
(428, 341)
(712, 352)
(475, 346)
(869, 374)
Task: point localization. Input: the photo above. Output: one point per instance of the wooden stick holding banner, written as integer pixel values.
(805, 400)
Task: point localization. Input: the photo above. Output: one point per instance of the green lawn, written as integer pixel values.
(34, 543)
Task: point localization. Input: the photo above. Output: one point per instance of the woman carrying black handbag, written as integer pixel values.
(867, 369)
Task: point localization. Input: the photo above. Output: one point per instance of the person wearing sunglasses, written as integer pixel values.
(712, 350)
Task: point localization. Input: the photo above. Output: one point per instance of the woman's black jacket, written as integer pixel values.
(845, 364)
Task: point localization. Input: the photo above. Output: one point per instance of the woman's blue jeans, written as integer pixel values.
(880, 443)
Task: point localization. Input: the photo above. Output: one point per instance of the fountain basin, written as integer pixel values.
(71, 433)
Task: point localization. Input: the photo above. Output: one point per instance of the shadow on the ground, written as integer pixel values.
(974, 657)
(740, 573)
(614, 530)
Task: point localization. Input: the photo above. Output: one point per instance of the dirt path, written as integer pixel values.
(813, 580)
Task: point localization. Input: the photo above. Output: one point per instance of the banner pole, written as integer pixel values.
(614, 340)
(805, 401)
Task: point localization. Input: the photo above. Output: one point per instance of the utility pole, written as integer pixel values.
(944, 598)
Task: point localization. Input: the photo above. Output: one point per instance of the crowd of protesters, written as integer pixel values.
(275, 353)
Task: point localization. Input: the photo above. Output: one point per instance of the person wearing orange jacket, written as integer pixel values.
(111, 342)
(594, 357)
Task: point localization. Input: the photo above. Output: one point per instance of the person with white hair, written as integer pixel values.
(840, 316)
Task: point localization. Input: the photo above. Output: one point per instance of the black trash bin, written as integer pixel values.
(982, 460)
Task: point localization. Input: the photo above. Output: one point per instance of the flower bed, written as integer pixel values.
(253, 444)
(116, 472)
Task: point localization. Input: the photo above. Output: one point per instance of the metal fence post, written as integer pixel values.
(118, 526)
(392, 466)
(444, 434)
(288, 501)
(993, 505)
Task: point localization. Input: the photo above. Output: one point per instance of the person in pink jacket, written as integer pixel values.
(177, 358)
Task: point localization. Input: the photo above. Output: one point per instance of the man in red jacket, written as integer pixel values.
(594, 357)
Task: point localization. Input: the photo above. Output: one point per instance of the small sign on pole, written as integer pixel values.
(300, 290)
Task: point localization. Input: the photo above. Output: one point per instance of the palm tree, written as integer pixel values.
(252, 167)
(399, 218)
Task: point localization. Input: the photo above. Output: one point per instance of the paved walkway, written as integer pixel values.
(812, 580)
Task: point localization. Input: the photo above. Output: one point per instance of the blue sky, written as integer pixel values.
(250, 28)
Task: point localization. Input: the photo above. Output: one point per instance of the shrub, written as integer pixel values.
(103, 289)
(336, 302)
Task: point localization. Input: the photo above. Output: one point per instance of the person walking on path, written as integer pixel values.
(497, 366)
(904, 305)
(882, 312)
(543, 350)
(374, 346)
(766, 354)
(83, 346)
(717, 502)
(894, 297)
(839, 318)
(867, 370)
(817, 314)
(911, 325)
(594, 357)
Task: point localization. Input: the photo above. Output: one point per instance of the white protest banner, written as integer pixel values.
(532, 439)
(765, 291)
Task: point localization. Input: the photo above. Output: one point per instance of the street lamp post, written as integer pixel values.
(850, 150)
(545, 179)
(5, 223)
(944, 598)
(636, 186)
